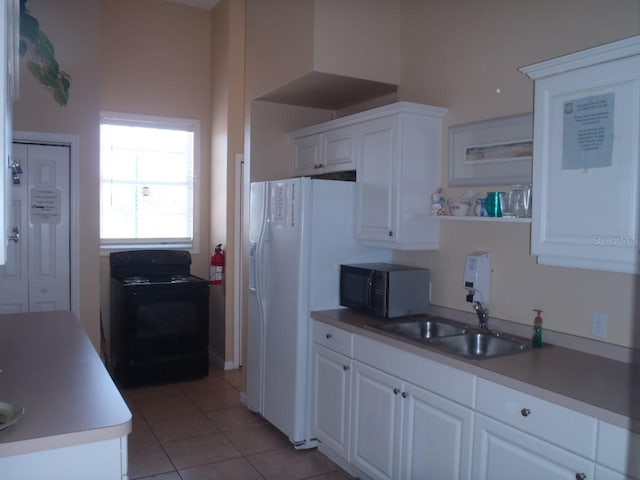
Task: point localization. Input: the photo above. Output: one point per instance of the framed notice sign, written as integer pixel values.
(45, 205)
(587, 132)
(586, 158)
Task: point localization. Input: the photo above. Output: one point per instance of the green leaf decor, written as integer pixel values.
(39, 53)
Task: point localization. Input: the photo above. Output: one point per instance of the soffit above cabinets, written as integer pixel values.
(328, 91)
(205, 4)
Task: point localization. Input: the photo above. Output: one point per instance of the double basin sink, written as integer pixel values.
(453, 337)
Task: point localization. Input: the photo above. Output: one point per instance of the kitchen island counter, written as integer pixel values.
(49, 366)
(602, 388)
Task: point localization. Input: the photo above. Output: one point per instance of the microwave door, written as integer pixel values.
(356, 287)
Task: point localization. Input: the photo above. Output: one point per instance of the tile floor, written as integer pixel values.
(199, 430)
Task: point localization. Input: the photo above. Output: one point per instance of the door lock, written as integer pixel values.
(14, 236)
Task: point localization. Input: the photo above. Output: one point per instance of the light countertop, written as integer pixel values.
(49, 366)
(596, 386)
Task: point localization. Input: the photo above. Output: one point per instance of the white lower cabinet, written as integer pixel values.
(376, 419)
(437, 437)
(604, 473)
(503, 452)
(618, 453)
(332, 397)
(389, 414)
(401, 431)
(102, 460)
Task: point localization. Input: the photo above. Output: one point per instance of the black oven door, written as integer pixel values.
(165, 333)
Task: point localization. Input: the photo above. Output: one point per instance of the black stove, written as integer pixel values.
(158, 328)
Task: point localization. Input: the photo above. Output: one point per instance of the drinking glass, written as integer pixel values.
(493, 204)
(513, 205)
(526, 197)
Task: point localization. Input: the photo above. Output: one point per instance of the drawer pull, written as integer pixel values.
(396, 391)
(525, 412)
(581, 476)
(329, 336)
(405, 394)
(345, 367)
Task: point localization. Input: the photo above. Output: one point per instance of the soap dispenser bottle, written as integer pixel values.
(536, 341)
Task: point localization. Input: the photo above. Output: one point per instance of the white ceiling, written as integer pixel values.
(206, 4)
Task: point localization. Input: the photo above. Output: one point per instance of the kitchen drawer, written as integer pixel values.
(561, 426)
(333, 338)
(619, 449)
(436, 377)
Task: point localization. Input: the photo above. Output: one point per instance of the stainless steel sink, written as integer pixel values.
(480, 344)
(452, 337)
(420, 329)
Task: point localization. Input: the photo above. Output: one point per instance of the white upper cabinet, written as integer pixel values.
(399, 166)
(326, 152)
(396, 151)
(9, 38)
(586, 158)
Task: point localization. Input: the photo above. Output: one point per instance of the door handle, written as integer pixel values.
(14, 236)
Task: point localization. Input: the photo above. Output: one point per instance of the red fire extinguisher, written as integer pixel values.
(216, 272)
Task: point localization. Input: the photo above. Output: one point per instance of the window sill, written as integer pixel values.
(105, 250)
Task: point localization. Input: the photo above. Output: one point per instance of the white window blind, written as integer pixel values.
(148, 187)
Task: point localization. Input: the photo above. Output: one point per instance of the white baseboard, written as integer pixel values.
(216, 361)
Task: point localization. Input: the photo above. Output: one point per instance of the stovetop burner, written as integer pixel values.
(182, 278)
(136, 281)
(160, 279)
(152, 267)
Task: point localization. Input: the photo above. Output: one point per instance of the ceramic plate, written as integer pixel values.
(9, 414)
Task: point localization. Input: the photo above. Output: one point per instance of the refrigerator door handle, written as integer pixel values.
(260, 260)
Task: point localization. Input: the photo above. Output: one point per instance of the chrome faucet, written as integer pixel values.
(482, 312)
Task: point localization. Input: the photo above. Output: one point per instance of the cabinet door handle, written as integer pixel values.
(345, 367)
(329, 336)
(525, 412)
(581, 476)
(405, 394)
(391, 233)
(396, 391)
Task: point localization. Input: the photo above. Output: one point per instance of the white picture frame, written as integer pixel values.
(491, 152)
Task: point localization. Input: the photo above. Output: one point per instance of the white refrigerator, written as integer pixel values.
(301, 230)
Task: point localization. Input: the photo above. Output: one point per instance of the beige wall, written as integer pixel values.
(358, 38)
(279, 36)
(270, 145)
(227, 107)
(73, 27)
(455, 55)
(156, 60)
(288, 39)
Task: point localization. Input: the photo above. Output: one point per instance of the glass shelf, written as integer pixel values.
(484, 219)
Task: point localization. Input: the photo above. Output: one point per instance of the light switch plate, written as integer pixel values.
(599, 326)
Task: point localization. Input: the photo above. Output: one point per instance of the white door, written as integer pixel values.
(501, 451)
(256, 297)
(306, 155)
(376, 174)
(376, 422)
(36, 276)
(332, 387)
(437, 437)
(285, 336)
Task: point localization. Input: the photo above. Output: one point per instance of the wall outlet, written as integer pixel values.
(599, 326)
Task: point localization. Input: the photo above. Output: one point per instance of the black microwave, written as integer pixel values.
(385, 290)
